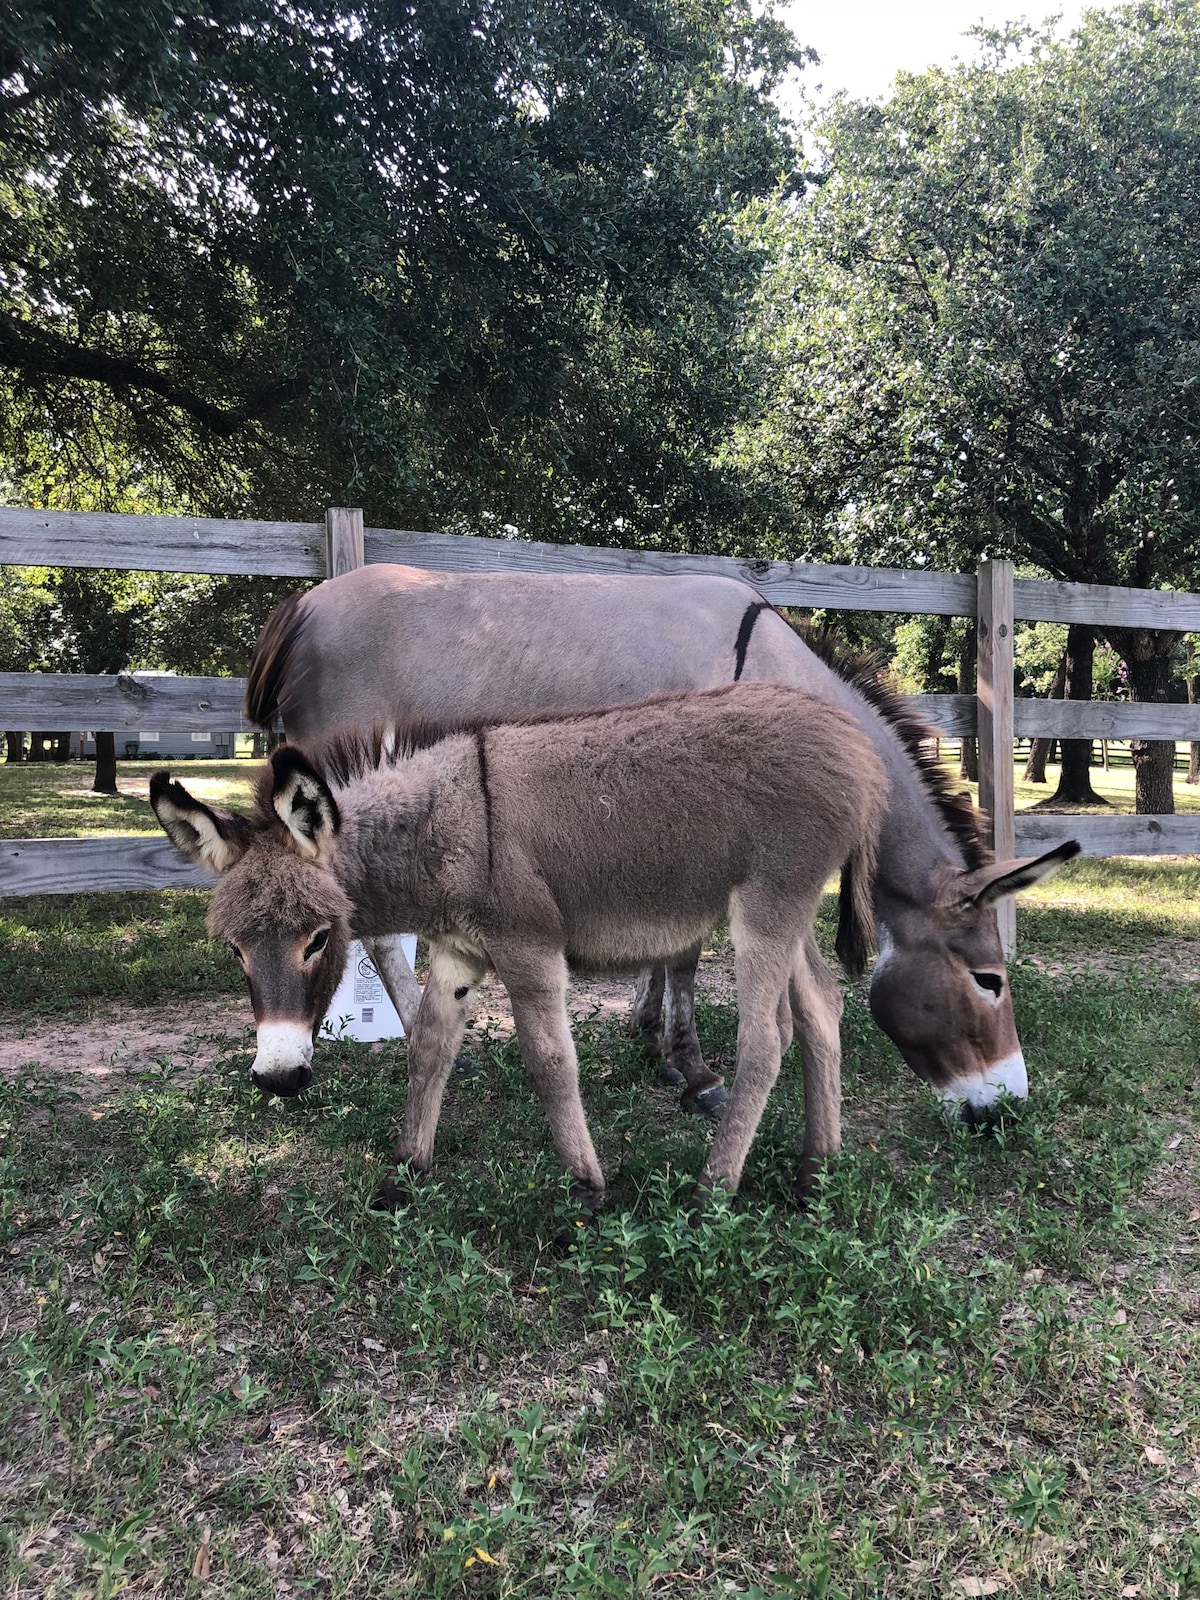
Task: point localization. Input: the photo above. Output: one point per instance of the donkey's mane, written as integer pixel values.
(354, 752)
(862, 672)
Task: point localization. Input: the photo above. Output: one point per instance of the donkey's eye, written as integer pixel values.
(316, 944)
(992, 982)
(237, 952)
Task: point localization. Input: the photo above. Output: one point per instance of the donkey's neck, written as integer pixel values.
(389, 859)
(917, 849)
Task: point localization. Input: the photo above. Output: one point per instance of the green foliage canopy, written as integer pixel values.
(986, 318)
(446, 260)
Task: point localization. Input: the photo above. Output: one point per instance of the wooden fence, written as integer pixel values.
(310, 550)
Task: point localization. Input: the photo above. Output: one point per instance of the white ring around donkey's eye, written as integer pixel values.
(316, 944)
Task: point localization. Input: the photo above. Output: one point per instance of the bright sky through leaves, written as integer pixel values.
(864, 43)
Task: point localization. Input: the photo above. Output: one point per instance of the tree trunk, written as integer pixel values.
(1192, 680)
(1040, 750)
(106, 764)
(1074, 775)
(968, 767)
(14, 746)
(1147, 656)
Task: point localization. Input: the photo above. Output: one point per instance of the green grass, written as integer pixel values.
(1115, 785)
(72, 955)
(47, 801)
(973, 1362)
(973, 1357)
(67, 954)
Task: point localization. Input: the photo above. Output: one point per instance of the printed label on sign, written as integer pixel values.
(361, 1007)
(368, 985)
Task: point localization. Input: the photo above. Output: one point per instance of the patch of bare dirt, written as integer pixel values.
(101, 1055)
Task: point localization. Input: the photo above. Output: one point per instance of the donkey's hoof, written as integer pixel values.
(397, 1189)
(702, 1198)
(590, 1201)
(805, 1186)
(710, 1102)
(669, 1077)
(390, 1194)
(587, 1197)
(466, 1066)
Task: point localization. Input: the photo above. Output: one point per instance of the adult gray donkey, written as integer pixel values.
(385, 640)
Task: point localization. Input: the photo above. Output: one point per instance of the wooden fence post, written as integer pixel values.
(995, 692)
(344, 547)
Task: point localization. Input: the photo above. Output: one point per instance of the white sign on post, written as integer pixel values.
(361, 1007)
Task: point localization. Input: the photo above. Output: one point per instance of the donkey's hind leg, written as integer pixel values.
(537, 986)
(762, 963)
(645, 1019)
(705, 1093)
(664, 1016)
(436, 1034)
(816, 1001)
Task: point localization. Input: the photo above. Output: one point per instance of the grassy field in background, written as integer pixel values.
(1115, 785)
(48, 801)
(970, 1368)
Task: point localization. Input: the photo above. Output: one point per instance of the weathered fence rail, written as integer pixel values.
(116, 863)
(301, 550)
(73, 700)
(311, 551)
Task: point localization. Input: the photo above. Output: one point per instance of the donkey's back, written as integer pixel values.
(494, 646)
(641, 820)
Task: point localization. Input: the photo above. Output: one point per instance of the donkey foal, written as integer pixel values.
(601, 841)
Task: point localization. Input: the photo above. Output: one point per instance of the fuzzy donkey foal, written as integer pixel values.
(602, 841)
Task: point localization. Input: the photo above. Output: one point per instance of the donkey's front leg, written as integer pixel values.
(387, 952)
(437, 1032)
(816, 1002)
(537, 986)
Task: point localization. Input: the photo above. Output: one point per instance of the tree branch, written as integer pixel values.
(32, 350)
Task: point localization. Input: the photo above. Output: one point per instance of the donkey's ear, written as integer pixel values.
(303, 803)
(216, 839)
(986, 885)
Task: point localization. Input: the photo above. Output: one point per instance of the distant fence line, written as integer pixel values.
(315, 550)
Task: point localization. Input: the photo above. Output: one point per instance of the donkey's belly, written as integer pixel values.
(629, 945)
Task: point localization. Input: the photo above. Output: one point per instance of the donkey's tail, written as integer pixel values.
(270, 671)
(856, 917)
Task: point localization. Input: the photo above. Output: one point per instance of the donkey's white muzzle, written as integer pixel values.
(977, 1096)
(283, 1062)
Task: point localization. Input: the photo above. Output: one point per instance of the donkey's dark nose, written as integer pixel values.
(283, 1083)
(281, 1065)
